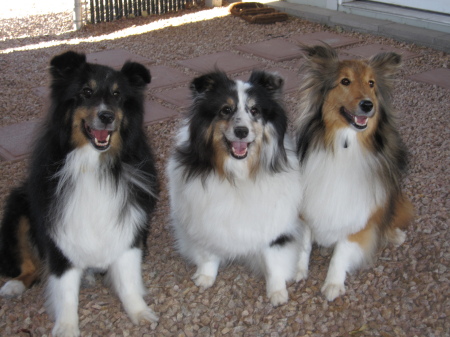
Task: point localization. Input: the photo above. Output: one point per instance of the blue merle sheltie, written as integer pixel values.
(89, 192)
(234, 181)
(352, 160)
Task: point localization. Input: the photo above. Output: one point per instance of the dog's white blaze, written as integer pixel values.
(342, 189)
(95, 224)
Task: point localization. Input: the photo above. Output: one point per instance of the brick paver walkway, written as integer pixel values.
(169, 88)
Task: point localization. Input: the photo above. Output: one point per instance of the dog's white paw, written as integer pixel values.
(12, 288)
(278, 297)
(399, 237)
(332, 290)
(146, 315)
(302, 274)
(203, 281)
(65, 329)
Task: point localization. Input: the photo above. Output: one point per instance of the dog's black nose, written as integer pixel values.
(241, 132)
(366, 105)
(106, 117)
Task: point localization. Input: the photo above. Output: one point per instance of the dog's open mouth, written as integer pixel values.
(238, 150)
(359, 122)
(100, 139)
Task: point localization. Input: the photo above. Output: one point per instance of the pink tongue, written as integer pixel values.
(101, 135)
(360, 120)
(240, 148)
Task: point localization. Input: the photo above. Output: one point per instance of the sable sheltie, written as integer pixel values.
(233, 181)
(89, 192)
(352, 160)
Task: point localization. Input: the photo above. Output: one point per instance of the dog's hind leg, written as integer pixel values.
(18, 258)
(306, 242)
(126, 278)
(62, 300)
(28, 266)
(403, 215)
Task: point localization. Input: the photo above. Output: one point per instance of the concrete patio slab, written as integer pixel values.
(155, 112)
(274, 49)
(16, 140)
(180, 97)
(163, 76)
(334, 40)
(373, 49)
(115, 58)
(439, 77)
(225, 61)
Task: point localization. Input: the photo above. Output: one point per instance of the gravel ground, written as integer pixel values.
(405, 292)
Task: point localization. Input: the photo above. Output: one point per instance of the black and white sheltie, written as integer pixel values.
(90, 189)
(352, 161)
(234, 181)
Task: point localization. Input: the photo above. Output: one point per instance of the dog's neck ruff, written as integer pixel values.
(94, 220)
(343, 187)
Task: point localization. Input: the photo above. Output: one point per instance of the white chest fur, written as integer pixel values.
(235, 219)
(95, 223)
(342, 189)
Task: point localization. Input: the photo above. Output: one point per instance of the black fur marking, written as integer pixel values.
(282, 240)
(16, 207)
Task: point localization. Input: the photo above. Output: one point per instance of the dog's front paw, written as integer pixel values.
(332, 290)
(65, 329)
(146, 315)
(12, 288)
(203, 281)
(278, 297)
(302, 274)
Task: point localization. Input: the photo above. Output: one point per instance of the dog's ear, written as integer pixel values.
(65, 64)
(208, 82)
(386, 64)
(138, 75)
(273, 83)
(320, 54)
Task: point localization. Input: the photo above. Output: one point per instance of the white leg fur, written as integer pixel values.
(305, 252)
(346, 257)
(12, 288)
(62, 300)
(126, 278)
(280, 265)
(207, 268)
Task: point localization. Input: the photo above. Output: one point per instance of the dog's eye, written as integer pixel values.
(254, 111)
(345, 81)
(371, 84)
(87, 92)
(116, 94)
(226, 110)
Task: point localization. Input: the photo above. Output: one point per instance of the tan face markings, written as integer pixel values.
(93, 84)
(221, 152)
(79, 138)
(355, 83)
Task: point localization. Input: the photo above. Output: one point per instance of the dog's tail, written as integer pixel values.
(16, 211)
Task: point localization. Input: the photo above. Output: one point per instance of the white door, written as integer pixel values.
(440, 6)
